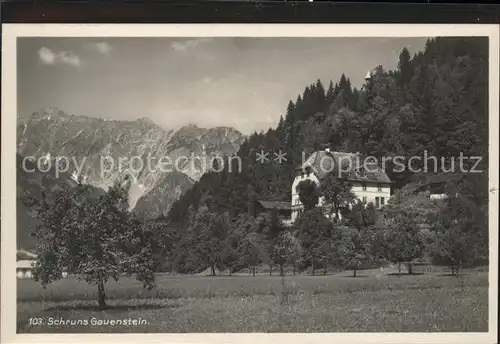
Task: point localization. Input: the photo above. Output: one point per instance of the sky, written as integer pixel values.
(245, 83)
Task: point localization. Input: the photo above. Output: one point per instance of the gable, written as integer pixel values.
(24, 255)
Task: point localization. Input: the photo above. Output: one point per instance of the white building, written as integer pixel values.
(370, 183)
(25, 261)
(24, 268)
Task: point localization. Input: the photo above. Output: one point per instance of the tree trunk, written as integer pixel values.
(249, 270)
(101, 295)
(410, 269)
(230, 271)
(270, 269)
(324, 270)
(213, 269)
(399, 267)
(253, 270)
(336, 210)
(294, 268)
(452, 270)
(313, 267)
(282, 272)
(354, 272)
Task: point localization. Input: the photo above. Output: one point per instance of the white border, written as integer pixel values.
(8, 174)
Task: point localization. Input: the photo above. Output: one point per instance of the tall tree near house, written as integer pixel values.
(362, 217)
(313, 229)
(308, 194)
(93, 239)
(337, 192)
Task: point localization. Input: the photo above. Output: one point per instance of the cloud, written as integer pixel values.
(50, 57)
(182, 46)
(103, 47)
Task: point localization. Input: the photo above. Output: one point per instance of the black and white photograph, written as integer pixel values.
(251, 183)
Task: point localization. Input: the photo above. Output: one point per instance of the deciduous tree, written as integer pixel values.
(94, 239)
(337, 192)
(308, 194)
(286, 249)
(313, 229)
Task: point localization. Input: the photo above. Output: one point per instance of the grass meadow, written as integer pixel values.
(375, 301)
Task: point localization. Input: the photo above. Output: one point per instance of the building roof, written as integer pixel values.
(25, 255)
(279, 205)
(25, 264)
(324, 162)
(429, 180)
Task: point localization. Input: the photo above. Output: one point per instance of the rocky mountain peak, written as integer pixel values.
(99, 150)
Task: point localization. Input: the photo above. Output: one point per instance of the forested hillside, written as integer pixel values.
(435, 101)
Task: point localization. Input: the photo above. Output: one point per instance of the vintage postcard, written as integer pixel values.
(222, 183)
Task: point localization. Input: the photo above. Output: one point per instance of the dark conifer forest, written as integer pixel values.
(435, 101)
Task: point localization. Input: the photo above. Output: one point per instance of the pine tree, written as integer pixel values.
(330, 93)
(405, 70)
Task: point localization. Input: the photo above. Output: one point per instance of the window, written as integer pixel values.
(364, 187)
(379, 187)
(377, 202)
(364, 200)
(382, 201)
